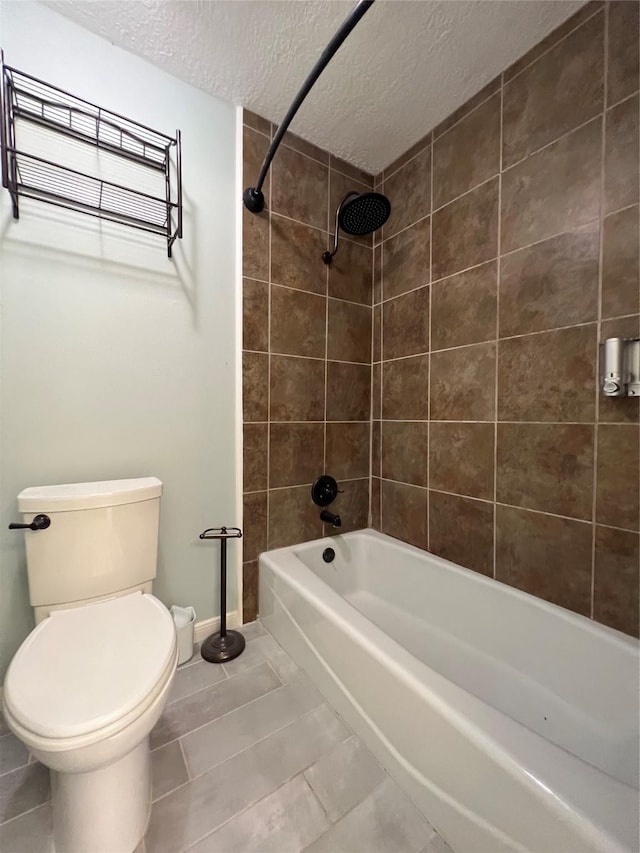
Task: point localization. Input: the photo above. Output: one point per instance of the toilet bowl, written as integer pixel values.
(83, 693)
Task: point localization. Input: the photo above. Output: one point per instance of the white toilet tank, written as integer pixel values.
(102, 541)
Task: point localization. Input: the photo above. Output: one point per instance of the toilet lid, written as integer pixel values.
(83, 669)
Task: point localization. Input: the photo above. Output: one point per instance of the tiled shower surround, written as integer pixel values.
(511, 251)
(306, 350)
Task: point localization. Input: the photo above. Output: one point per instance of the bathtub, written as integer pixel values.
(511, 723)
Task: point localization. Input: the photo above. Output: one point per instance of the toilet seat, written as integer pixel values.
(85, 673)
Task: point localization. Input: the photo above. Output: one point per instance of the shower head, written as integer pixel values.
(357, 214)
(363, 213)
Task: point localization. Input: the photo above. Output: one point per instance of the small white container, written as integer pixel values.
(185, 619)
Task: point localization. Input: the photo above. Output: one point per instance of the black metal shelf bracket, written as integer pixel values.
(225, 645)
(27, 100)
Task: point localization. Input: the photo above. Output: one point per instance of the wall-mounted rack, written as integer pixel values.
(24, 98)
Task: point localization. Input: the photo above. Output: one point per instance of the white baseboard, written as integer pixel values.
(210, 626)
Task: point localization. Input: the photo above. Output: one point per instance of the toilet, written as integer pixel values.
(90, 681)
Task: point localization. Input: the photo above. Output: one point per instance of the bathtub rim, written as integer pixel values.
(471, 716)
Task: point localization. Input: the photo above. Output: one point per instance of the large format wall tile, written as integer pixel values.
(255, 315)
(296, 454)
(296, 255)
(461, 530)
(298, 322)
(300, 188)
(553, 191)
(405, 389)
(461, 458)
(297, 389)
(545, 556)
(553, 283)
(621, 263)
(464, 307)
(293, 517)
(548, 467)
(548, 376)
(254, 534)
(616, 595)
(349, 328)
(468, 154)
(621, 161)
(348, 391)
(350, 272)
(618, 475)
(623, 49)
(254, 449)
(409, 191)
(406, 260)
(465, 232)
(255, 386)
(348, 450)
(352, 505)
(406, 324)
(404, 512)
(404, 451)
(255, 244)
(463, 383)
(560, 91)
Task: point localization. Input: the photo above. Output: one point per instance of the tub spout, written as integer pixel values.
(330, 518)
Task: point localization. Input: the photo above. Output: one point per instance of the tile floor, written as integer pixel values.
(246, 757)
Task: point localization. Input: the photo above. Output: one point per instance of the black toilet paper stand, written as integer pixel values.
(225, 645)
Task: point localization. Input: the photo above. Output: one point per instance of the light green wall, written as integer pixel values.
(115, 361)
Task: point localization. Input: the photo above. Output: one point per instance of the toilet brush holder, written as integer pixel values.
(224, 645)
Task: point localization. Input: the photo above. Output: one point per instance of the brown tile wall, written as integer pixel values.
(511, 252)
(306, 350)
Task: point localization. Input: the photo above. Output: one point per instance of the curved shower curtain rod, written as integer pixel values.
(253, 197)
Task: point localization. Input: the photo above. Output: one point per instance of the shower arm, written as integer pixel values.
(327, 257)
(253, 197)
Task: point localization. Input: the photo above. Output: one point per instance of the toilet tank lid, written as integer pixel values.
(72, 496)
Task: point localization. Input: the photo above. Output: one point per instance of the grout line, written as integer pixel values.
(5, 823)
(325, 231)
(497, 338)
(320, 295)
(404, 230)
(467, 114)
(594, 480)
(184, 758)
(268, 449)
(428, 141)
(251, 746)
(595, 117)
(431, 179)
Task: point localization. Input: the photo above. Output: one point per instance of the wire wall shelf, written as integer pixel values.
(24, 98)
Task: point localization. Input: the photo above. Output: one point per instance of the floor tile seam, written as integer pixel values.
(226, 677)
(214, 719)
(27, 763)
(5, 823)
(254, 744)
(251, 806)
(368, 797)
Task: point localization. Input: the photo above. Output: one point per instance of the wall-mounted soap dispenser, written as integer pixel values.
(621, 367)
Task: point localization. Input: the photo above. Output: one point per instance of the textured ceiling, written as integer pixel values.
(407, 65)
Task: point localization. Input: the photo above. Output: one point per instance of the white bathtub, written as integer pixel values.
(511, 723)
